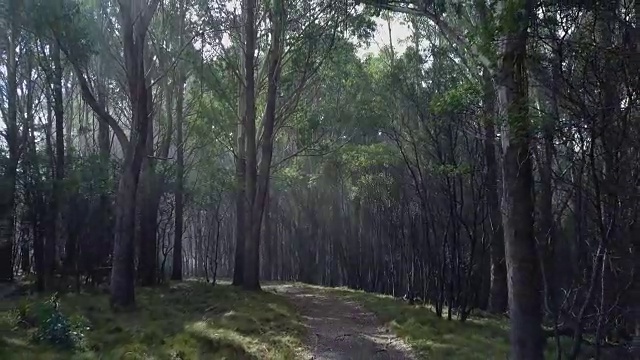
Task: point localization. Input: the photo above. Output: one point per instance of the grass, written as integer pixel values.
(435, 338)
(189, 320)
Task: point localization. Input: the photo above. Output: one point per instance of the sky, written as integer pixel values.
(399, 32)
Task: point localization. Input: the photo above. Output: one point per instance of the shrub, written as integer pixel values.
(53, 327)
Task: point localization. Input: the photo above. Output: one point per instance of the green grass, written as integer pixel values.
(189, 320)
(435, 338)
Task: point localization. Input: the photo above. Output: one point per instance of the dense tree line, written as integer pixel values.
(489, 166)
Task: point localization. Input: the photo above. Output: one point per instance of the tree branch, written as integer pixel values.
(447, 30)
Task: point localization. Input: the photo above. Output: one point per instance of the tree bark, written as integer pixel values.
(8, 179)
(240, 178)
(136, 18)
(498, 287)
(260, 180)
(251, 255)
(523, 268)
(148, 203)
(176, 273)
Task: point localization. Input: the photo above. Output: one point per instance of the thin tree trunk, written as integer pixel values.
(240, 178)
(176, 273)
(251, 241)
(58, 199)
(498, 287)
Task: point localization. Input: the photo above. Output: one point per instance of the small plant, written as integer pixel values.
(55, 328)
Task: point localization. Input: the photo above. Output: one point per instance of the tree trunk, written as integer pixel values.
(260, 180)
(251, 241)
(523, 268)
(122, 275)
(498, 288)
(58, 199)
(136, 18)
(240, 232)
(8, 179)
(148, 203)
(176, 273)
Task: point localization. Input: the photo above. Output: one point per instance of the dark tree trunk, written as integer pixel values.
(58, 188)
(8, 179)
(523, 267)
(148, 206)
(101, 250)
(122, 275)
(251, 241)
(240, 214)
(176, 273)
(240, 178)
(148, 203)
(498, 287)
(50, 216)
(136, 18)
(258, 179)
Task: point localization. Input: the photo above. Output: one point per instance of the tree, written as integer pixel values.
(135, 19)
(10, 162)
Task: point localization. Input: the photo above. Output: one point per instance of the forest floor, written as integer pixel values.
(189, 320)
(195, 320)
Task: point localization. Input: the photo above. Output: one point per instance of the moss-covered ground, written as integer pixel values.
(189, 320)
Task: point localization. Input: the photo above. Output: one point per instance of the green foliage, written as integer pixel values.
(368, 168)
(458, 99)
(49, 325)
(451, 169)
(360, 157)
(291, 175)
(89, 176)
(68, 22)
(511, 19)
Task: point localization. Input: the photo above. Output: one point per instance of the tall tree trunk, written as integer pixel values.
(58, 186)
(148, 203)
(498, 287)
(251, 255)
(136, 17)
(260, 180)
(523, 268)
(176, 273)
(8, 179)
(104, 243)
(240, 178)
(50, 215)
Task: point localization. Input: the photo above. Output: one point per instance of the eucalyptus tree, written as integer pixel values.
(135, 18)
(11, 24)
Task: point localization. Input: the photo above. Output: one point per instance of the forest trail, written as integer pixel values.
(339, 329)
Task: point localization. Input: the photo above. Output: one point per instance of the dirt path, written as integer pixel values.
(339, 329)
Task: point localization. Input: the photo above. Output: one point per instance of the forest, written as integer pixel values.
(476, 179)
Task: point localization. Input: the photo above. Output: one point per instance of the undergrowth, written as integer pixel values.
(189, 320)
